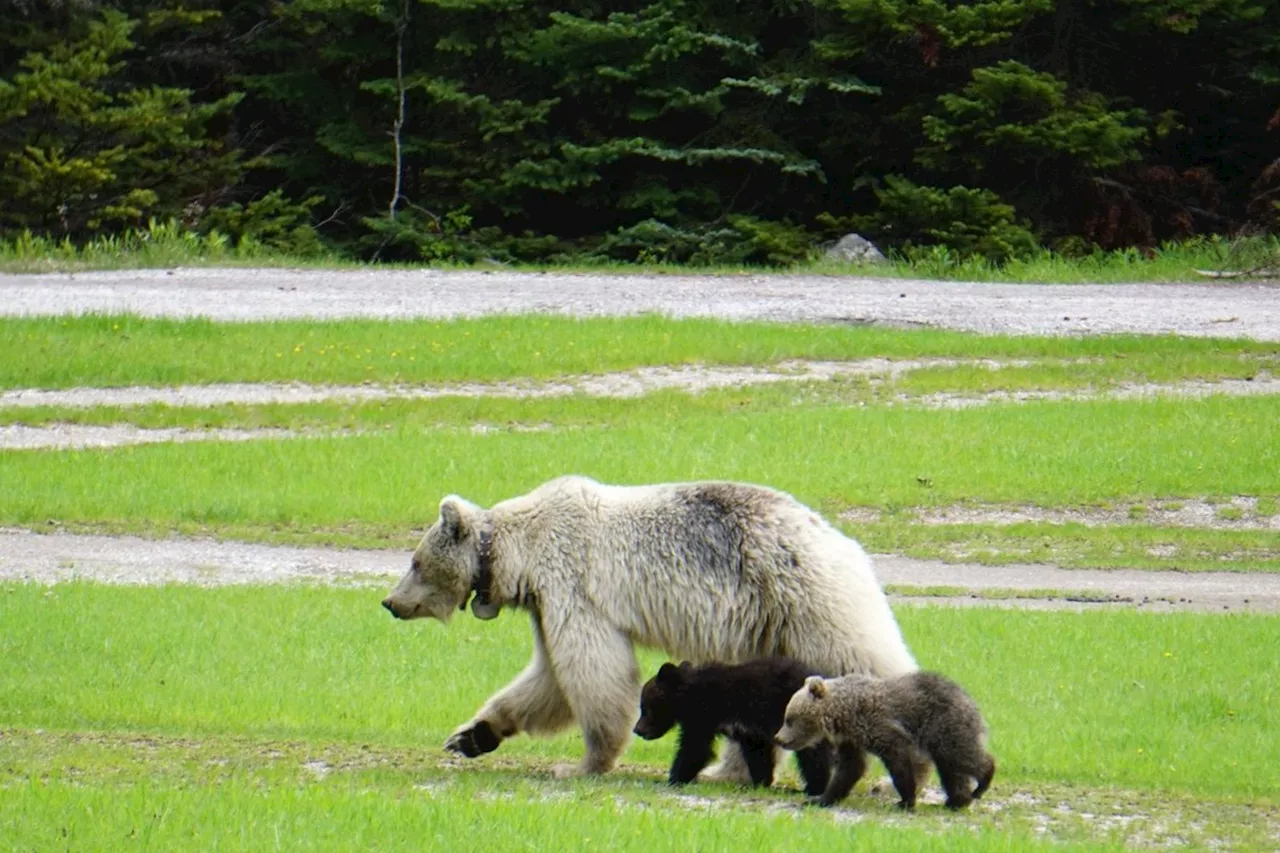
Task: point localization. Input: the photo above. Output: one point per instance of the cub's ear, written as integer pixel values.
(817, 686)
(686, 667)
(453, 517)
(669, 673)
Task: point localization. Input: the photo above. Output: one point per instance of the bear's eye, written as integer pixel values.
(788, 721)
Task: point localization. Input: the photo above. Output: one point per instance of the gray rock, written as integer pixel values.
(855, 249)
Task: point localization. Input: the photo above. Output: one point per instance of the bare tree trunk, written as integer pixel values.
(401, 25)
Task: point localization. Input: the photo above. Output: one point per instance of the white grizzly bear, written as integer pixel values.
(707, 571)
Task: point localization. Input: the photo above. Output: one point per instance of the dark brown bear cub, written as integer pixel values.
(902, 721)
(745, 702)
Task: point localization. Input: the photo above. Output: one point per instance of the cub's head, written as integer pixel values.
(440, 577)
(805, 722)
(660, 701)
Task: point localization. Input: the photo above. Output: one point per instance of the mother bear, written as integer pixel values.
(704, 571)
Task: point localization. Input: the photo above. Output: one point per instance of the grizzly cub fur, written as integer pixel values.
(903, 721)
(746, 702)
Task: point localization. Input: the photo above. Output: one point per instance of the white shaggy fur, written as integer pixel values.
(704, 571)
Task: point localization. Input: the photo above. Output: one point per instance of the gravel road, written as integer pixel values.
(1214, 309)
(1218, 309)
(129, 560)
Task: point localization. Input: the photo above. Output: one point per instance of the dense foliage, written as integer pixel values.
(685, 130)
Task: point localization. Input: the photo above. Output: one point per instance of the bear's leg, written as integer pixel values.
(850, 762)
(984, 778)
(955, 781)
(924, 767)
(596, 668)
(759, 757)
(901, 764)
(732, 766)
(533, 703)
(692, 756)
(815, 768)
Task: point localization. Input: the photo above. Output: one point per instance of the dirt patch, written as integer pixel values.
(1235, 513)
(1261, 385)
(26, 556)
(79, 436)
(1079, 589)
(623, 384)
(57, 558)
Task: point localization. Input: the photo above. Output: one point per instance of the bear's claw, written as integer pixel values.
(473, 741)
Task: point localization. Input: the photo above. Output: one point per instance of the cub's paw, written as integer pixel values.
(473, 739)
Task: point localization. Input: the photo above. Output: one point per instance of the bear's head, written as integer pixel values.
(804, 724)
(660, 700)
(444, 567)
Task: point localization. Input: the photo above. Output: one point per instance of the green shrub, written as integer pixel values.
(968, 222)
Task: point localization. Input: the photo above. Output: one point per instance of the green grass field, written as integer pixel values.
(303, 717)
(113, 350)
(380, 487)
(216, 707)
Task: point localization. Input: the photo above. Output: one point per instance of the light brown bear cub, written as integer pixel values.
(903, 721)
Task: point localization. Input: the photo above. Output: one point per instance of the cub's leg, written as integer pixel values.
(956, 783)
(985, 777)
(850, 763)
(901, 765)
(815, 768)
(692, 755)
(759, 755)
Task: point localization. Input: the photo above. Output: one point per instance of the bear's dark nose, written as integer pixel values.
(386, 602)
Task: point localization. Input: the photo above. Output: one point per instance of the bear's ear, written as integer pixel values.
(817, 686)
(669, 673)
(453, 523)
(686, 667)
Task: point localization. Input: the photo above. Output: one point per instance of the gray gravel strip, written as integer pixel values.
(1239, 512)
(630, 383)
(1185, 590)
(65, 435)
(58, 558)
(634, 383)
(1218, 309)
(82, 436)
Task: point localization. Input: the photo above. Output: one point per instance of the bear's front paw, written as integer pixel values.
(820, 801)
(476, 739)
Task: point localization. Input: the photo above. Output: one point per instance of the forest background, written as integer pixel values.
(688, 131)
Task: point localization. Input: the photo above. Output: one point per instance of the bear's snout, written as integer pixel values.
(391, 607)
